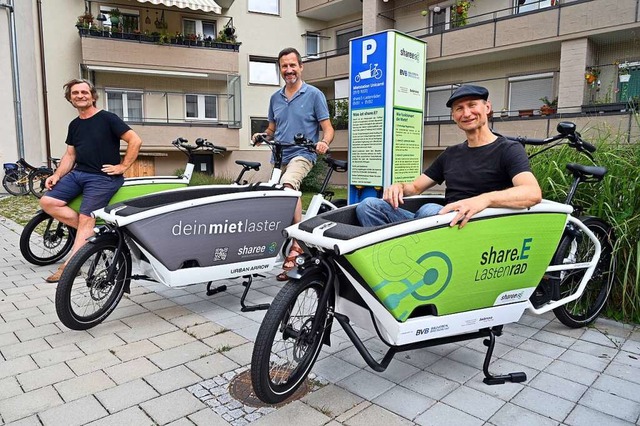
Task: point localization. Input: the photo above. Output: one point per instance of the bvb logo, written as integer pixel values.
(438, 270)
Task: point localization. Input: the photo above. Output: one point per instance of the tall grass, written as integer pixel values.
(616, 200)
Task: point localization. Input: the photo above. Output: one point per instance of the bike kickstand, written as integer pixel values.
(490, 379)
(247, 286)
(211, 291)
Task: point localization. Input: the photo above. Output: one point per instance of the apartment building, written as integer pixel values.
(160, 71)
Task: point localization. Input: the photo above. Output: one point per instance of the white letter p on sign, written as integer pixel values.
(368, 47)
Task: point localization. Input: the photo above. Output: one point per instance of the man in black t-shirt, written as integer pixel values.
(484, 171)
(91, 165)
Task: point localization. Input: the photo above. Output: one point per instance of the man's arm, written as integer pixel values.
(327, 137)
(524, 193)
(66, 164)
(133, 147)
(395, 193)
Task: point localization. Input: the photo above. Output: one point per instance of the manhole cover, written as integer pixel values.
(240, 388)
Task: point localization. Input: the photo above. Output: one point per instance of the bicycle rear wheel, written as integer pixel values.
(579, 248)
(85, 295)
(285, 350)
(45, 240)
(16, 183)
(37, 179)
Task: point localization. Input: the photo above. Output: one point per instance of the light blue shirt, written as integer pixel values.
(300, 114)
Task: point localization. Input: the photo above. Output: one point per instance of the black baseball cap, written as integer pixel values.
(468, 90)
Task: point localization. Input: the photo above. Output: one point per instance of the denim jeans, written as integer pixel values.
(374, 212)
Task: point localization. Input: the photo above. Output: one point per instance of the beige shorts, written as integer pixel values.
(295, 171)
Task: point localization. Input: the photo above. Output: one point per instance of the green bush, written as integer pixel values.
(616, 200)
(313, 181)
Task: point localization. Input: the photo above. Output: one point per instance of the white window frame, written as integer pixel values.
(259, 68)
(529, 77)
(448, 87)
(263, 6)
(199, 26)
(201, 107)
(447, 18)
(125, 102)
(308, 37)
(533, 5)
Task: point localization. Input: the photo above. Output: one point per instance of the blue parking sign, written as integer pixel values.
(368, 71)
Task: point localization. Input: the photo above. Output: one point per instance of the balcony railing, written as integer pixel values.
(173, 40)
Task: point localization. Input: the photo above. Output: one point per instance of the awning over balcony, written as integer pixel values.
(204, 5)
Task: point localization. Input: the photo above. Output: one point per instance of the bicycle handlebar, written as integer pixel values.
(201, 143)
(566, 130)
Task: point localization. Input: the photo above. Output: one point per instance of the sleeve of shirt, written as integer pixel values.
(435, 171)
(118, 127)
(321, 108)
(515, 159)
(68, 141)
(271, 115)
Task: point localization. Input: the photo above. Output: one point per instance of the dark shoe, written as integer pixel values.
(55, 277)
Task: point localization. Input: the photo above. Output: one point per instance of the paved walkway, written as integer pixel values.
(165, 356)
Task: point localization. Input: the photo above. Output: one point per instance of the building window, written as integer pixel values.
(525, 91)
(312, 45)
(263, 71)
(529, 5)
(258, 124)
(125, 104)
(196, 26)
(201, 107)
(440, 20)
(271, 7)
(343, 37)
(436, 107)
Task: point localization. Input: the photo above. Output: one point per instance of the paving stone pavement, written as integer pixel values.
(164, 353)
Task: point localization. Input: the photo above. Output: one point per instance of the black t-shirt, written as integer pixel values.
(473, 171)
(96, 140)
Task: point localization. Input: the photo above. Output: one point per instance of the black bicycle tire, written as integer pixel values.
(260, 359)
(15, 176)
(72, 271)
(25, 241)
(604, 234)
(40, 174)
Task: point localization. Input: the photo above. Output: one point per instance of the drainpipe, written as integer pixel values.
(43, 73)
(15, 75)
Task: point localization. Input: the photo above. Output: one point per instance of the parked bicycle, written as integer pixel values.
(181, 237)
(38, 177)
(44, 240)
(16, 177)
(421, 283)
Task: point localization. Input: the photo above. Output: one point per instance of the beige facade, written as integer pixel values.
(498, 45)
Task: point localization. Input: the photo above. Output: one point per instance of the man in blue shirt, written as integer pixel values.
(297, 108)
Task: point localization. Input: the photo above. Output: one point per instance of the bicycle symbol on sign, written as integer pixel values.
(372, 72)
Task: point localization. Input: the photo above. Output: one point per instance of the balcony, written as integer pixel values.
(134, 51)
(327, 10)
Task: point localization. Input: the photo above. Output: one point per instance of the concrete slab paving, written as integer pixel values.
(165, 354)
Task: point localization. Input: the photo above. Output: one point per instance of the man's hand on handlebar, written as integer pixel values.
(259, 138)
(322, 147)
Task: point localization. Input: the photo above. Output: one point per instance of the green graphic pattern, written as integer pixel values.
(459, 270)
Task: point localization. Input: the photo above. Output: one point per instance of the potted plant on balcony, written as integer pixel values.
(114, 17)
(207, 41)
(591, 75)
(116, 32)
(548, 107)
(624, 72)
(94, 30)
(460, 12)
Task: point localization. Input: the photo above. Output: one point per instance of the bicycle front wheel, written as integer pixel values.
(45, 240)
(15, 183)
(285, 350)
(579, 248)
(92, 283)
(37, 178)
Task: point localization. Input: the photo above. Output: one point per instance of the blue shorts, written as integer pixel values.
(96, 189)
